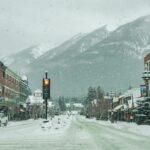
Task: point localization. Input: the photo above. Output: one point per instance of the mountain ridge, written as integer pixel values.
(112, 60)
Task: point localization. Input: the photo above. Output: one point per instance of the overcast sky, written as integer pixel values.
(24, 23)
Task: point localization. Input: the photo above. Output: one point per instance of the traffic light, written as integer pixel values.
(46, 88)
(46, 82)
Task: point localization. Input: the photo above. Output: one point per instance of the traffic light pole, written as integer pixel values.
(46, 74)
(46, 92)
(46, 109)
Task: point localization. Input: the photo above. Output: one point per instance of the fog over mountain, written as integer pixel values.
(25, 23)
(113, 60)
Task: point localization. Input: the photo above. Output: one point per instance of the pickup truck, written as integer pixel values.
(3, 119)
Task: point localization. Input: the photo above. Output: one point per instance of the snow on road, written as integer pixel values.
(73, 133)
(32, 134)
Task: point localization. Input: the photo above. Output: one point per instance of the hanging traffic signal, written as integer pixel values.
(46, 88)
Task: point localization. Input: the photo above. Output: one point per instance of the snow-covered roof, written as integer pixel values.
(135, 92)
(38, 91)
(115, 99)
(94, 102)
(141, 99)
(122, 107)
(34, 100)
(107, 97)
(78, 105)
(68, 105)
(24, 78)
(50, 104)
(118, 107)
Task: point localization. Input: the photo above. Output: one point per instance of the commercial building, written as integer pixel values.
(146, 74)
(13, 90)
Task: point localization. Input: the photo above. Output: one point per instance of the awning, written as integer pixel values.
(118, 107)
(21, 110)
(134, 110)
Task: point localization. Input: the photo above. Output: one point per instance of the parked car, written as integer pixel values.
(3, 119)
(140, 118)
(146, 122)
(57, 113)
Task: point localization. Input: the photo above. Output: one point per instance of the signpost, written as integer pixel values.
(143, 89)
(46, 91)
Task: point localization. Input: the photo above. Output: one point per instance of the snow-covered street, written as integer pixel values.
(73, 133)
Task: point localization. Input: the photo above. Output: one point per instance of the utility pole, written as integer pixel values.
(46, 91)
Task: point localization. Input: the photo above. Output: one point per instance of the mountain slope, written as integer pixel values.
(19, 61)
(73, 47)
(114, 62)
(57, 59)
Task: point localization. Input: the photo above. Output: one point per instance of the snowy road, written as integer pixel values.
(75, 133)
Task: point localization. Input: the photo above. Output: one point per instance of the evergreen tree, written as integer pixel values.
(91, 94)
(100, 93)
(62, 104)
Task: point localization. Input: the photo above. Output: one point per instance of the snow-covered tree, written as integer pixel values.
(62, 104)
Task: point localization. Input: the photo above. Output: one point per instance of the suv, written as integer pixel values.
(3, 119)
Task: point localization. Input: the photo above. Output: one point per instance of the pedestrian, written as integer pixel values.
(131, 118)
(112, 117)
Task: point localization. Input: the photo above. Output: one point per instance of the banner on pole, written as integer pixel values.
(143, 89)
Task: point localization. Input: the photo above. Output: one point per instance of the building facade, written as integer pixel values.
(13, 89)
(2, 80)
(147, 62)
(146, 74)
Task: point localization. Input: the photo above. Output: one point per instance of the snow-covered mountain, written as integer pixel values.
(112, 60)
(73, 47)
(19, 61)
(60, 57)
(134, 36)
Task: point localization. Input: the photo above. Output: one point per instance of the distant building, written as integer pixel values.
(147, 62)
(74, 107)
(146, 74)
(126, 104)
(12, 87)
(68, 107)
(35, 104)
(131, 96)
(78, 105)
(36, 98)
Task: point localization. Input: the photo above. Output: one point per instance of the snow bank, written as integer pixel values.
(58, 122)
(35, 129)
(125, 126)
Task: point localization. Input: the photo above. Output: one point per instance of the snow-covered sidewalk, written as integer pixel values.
(125, 126)
(34, 128)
